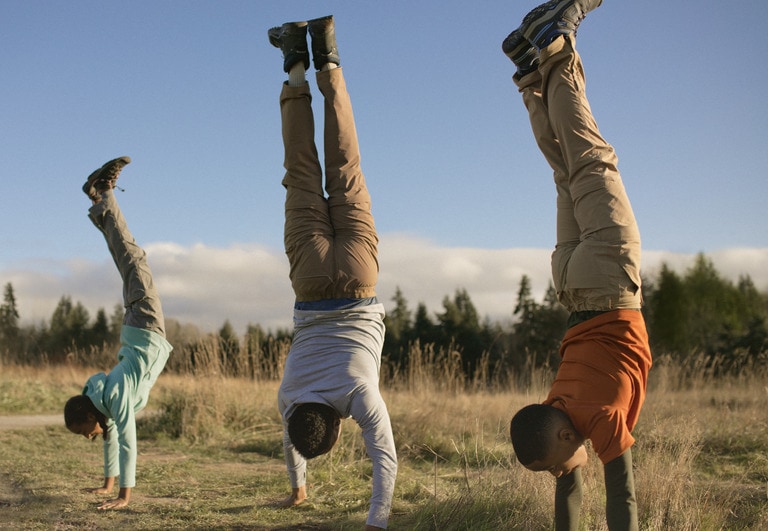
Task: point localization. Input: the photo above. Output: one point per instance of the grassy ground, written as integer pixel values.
(211, 458)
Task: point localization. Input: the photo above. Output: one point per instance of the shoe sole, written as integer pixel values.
(275, 34)
(94, 177)
(537, 22)
(292, 54)
(317, 26)
(515, 44)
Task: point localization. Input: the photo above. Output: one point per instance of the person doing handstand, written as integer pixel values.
(332, 369)
(600, 384)
(109, 402)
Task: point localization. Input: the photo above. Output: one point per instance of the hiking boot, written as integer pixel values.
(545, 23)
(291, 38)
(324, 49)
(521, 52)
(105, 178)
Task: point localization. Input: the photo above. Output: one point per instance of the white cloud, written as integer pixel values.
(248, 283)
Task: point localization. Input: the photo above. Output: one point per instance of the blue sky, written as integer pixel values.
(189, 90)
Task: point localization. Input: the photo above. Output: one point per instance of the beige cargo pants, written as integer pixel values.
(596, 262)
(331, 241)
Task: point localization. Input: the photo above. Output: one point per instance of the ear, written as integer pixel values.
(566, 434)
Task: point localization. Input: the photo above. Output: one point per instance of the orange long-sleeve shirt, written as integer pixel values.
(602, 378)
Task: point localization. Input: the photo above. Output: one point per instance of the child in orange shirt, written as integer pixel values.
(600, 385)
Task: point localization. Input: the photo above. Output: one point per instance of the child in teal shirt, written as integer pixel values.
(109, 402)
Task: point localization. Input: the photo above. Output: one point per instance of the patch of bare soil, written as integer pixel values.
(15, 422)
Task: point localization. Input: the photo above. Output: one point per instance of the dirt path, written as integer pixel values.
(15, 422)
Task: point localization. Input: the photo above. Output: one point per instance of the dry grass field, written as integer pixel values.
(211, 457)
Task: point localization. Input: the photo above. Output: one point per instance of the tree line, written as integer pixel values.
(698, 312)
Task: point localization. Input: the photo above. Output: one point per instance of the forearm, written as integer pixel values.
(381, 450)
(620, 503)
(370, 413)
(568, 501)
(295, 464)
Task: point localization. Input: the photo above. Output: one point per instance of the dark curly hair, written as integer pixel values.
(76, 411)
(530, 431)
(313, 429)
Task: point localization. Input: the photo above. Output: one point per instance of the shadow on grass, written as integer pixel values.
(479, 512)
(266, 448)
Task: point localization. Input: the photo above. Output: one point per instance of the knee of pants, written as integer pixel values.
(146, 315)
(596, 276)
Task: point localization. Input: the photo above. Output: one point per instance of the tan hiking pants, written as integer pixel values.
(596, 262)
(141, 300)
(331, 242)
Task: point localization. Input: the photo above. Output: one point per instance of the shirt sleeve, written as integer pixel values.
(111, 462)
(294, 462)
(370, 412)
(126, 438)
(121, 406)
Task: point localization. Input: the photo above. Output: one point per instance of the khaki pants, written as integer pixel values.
(596, 262)
(331, 241)
(142, 303)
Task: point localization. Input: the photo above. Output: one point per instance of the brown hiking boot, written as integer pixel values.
(105, 178)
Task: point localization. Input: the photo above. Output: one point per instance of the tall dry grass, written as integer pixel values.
(700, 455)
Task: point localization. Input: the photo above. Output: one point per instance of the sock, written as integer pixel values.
(296, 76)
(329, 66)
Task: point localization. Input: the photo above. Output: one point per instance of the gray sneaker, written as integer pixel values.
(543, 24)
(105, 178)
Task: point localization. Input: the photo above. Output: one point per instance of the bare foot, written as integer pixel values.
(297, 496)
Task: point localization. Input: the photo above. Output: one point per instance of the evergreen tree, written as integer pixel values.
(230, 348)
(539, 329)
(668, 313)
(68, 328)
(701, 312)
(398, 330)
(460, 325)
(116, 322)
(9, 320)
(424, 329)
(755, 337)
(99, 331)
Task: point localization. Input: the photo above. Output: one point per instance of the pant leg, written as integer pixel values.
(308, 230)
(568, 496)
(602, 272)
(140, 297)
(620, 503)
(568, 231)
(356, 241)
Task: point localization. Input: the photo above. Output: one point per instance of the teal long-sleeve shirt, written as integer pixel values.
(124, 392)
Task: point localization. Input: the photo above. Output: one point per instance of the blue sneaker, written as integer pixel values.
(545, 23)
(521, 52)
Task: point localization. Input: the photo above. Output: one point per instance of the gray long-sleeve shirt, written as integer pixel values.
(335, 359)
